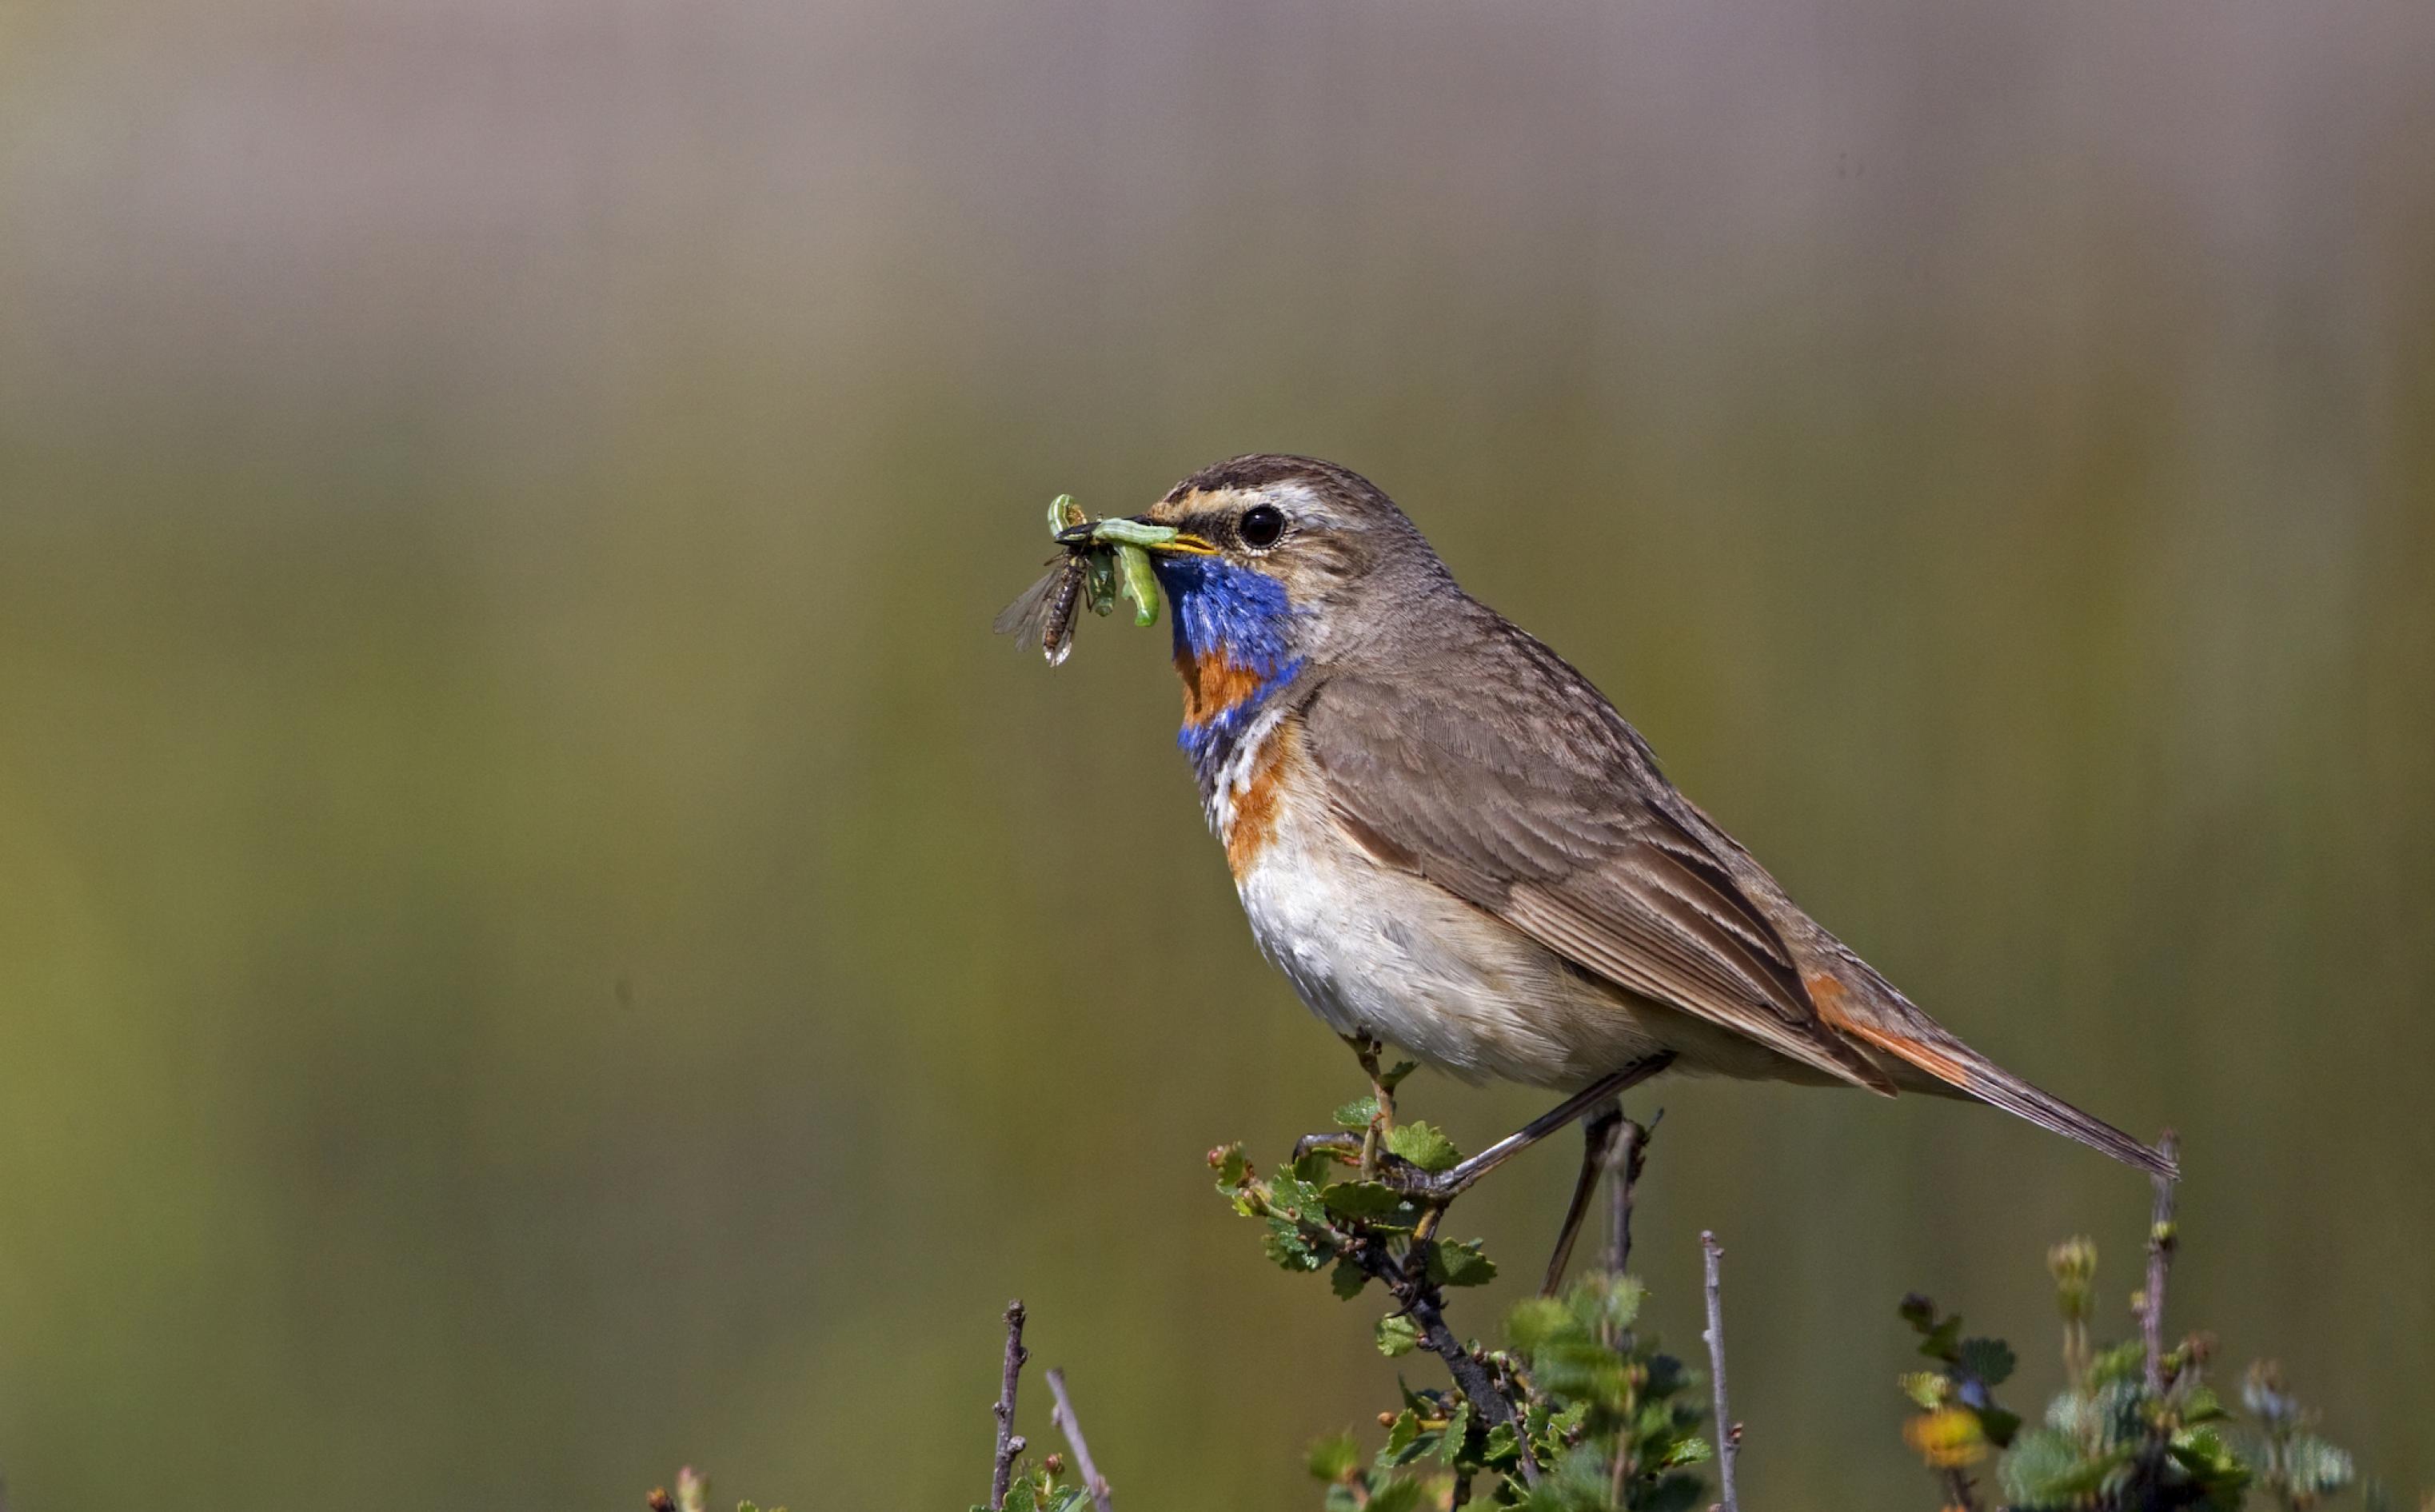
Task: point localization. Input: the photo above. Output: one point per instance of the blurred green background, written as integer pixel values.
(541, 937)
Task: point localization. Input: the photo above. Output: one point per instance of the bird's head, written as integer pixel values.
(1273, 565)
(1268, 558)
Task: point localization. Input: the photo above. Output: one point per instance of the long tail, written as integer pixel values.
(1966, 1071)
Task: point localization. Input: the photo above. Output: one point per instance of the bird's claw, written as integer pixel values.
(1390, 1170)
(1427, 1188)
(1343, 1146)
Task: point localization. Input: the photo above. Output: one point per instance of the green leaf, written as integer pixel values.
(1394, 1074)
(1317, 1165)
(2204, 1454)
(1400, 1435)
(1577, 1367)
(1423, 1146)
(1998, 1425)
(1453, 1263)
(2120, 1363)
(1402, 1494)
(2046, 1467)
(1347, 1280)
(1457, 1428)
(1288, 1247)
(1925, 1388)
(1361, 1199)
(1990, 1359)
(1533, 1323)
(1940, 1342)
(1233, 1170)
(1676, 1493)
(1019, 1497)
(1294, 1196)
(1502, 1446)
(2312, 1467)
(1357, 1113)
(2038, 1462)
(1565, 1424)
(1604, 1303)
(1691, 1451)
(1332, 1457)
(1397, 1334)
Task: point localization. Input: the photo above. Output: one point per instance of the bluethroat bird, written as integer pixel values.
(1449, 841)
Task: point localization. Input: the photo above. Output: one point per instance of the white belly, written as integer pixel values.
(1380, 952)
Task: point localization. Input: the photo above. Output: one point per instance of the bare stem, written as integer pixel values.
(1729, 1438)
(2162, 1240)
(1623, 1167)
(1623, 1176)
(1958, 1493)
(1071, 1427)
(1009, 1443)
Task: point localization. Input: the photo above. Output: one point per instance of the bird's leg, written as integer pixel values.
(1441, 1187)
(1382, 1100)
(1362, 1146)
(1383, 1083)
(1597, 1146)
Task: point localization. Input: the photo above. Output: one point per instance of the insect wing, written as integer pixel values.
(1044, 616)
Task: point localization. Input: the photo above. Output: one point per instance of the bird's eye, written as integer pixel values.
(1262, 525)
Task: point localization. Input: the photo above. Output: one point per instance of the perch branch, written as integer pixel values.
(1624, 1163)
(1728, 1432)
(2161, 1244)
(1009, 1443)
(1623, 1176)
(1960, 1494)
(1418, 1299)
(1071, 1427)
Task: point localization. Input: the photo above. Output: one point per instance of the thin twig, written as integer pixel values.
(1071, 1427)
(1624, 1163)
(1623, 1176)
(1728, 1435)
(1009, 1443)
(1960, 1495)
(2161, 1244)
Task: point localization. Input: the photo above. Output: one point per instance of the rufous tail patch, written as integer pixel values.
(1828, 994)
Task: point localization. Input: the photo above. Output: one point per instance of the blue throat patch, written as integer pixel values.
(1237, 616)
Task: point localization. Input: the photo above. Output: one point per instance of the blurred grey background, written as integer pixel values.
(539, 937)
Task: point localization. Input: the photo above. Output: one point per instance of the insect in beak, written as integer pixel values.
(1135, 531)
(1103, 560)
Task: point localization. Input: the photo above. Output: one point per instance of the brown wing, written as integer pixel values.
(1504, 777)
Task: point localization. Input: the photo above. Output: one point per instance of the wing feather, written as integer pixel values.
(1507, 778)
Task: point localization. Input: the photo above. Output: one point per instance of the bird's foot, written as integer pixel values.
(1344, 1145)
(1424, 1187)
(1428, 1189)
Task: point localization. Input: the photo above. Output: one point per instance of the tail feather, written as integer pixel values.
(1957, 1065)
